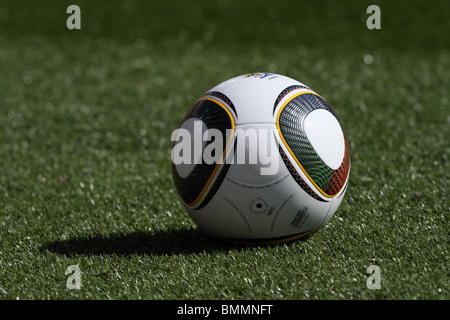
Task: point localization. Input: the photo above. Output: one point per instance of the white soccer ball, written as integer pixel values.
(260, 158)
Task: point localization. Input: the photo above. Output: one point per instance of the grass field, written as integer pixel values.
(85, 123)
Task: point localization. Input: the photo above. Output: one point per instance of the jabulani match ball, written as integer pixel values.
(260, 158)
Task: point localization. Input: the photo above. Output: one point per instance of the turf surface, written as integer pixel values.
(85, 124)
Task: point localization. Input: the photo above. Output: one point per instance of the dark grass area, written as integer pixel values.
(236, 26)
(85, 124)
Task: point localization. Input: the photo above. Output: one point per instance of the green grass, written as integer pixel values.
(85, 124)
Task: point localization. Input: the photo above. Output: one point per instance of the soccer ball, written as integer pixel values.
(260, 158)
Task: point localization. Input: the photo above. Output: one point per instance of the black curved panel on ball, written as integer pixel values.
(192, 188)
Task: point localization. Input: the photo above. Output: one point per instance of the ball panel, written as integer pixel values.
(255, 152)
(192, 188)
(220, 217)
(291, 125)
(253, 95)
(278, 210)
(298, 178)
(196, 127)
(285, 92)
(223, 98)
(340, 176)
(326, 137)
